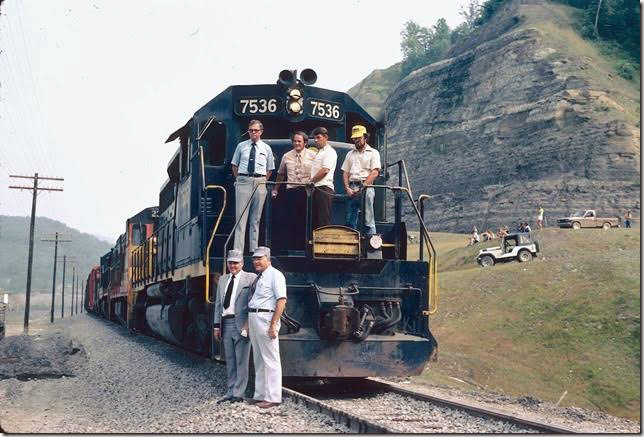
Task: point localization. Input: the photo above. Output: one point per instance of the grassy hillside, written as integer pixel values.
(568, 321)
(14, 250)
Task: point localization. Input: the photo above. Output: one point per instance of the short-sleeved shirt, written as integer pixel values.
(359, 164)
(326, 158)
(270, 287)
(297, 169)
(540, 214)
(264, 161)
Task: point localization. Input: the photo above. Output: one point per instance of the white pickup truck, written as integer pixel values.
(587, 219)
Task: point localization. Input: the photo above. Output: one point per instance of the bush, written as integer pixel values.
(627, 70)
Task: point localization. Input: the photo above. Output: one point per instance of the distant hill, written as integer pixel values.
(373, 90)
(14, 252)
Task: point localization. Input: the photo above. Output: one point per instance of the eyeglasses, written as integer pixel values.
(254, 130)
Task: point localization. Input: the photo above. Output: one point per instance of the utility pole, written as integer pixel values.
(62, 305)
(53, 282)
(34, 189)
(73, 283)
(77, 293)
(82, 294)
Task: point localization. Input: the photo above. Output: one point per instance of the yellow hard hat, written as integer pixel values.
(358, 131)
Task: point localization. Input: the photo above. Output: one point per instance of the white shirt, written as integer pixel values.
(326, 158)
(231, 309)
(270, 287)
(359, 164)
(264, 160)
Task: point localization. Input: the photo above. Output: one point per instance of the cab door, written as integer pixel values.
(589, 220)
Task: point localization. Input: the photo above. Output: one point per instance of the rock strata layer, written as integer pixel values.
(511, 122)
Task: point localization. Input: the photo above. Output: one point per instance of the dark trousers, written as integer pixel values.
(295, 232)
(322, 204)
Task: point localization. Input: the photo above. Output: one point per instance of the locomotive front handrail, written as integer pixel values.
(212, 237)
(432, 282)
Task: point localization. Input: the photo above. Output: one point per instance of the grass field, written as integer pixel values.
(568, 321)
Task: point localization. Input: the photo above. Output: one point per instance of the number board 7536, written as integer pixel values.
(324, 109)
(257, 105)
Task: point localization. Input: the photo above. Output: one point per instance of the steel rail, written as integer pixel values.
(354, 422)
(470, 409)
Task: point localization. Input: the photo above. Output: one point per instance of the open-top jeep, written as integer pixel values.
(519, 246)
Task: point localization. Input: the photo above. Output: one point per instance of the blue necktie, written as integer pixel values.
(251, 160)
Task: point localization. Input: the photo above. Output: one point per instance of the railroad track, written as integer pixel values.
(347, 402)
(359, 406)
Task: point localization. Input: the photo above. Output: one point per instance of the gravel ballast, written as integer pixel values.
(131, 383)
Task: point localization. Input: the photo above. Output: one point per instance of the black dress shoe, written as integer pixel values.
(236, 399)
(225, 399)
(252, 401)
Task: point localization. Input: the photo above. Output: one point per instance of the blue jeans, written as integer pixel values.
(354, 205)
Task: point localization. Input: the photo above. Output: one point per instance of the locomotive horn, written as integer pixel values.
(308, 76)
(287, 77)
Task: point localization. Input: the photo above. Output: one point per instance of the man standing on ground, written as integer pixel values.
(231, 317)
(295, 167)
(360, 168)
(540, 218)
(322, 171)
(265, 307)
(627, 218)
(252, 165)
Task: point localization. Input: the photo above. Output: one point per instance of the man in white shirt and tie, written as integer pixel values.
(231, 317)
(252, 165)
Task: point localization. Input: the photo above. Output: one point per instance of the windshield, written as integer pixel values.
(577, 214)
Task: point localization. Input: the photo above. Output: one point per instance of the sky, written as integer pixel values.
(90, 90)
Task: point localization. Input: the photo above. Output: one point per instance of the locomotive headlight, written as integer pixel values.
(375, 242)
(295, 101)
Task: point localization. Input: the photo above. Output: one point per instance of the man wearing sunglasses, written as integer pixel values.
(251, 165)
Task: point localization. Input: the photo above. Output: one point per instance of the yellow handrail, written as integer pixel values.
(212, 237)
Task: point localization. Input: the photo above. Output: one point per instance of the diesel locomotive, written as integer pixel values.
(356, 305)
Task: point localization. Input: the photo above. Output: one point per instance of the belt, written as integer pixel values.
(229, 316)
(356, 182)
(254, 175)
(260, 310)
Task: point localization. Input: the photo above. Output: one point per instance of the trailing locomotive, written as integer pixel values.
(356, 306)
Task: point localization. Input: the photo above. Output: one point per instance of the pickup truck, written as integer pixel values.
(587, 219)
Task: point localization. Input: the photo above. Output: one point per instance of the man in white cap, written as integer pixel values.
(360, 168)
(265, 307)
(231, 317)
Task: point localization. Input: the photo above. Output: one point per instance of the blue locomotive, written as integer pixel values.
(356, 305)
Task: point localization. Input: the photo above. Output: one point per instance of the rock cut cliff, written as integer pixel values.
(523, 114)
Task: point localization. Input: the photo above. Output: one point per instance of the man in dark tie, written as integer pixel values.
(231, 317)
(252, 165)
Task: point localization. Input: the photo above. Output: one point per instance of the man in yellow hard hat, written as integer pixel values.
(360, 168)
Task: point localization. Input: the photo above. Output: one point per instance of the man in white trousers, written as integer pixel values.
(265, 307)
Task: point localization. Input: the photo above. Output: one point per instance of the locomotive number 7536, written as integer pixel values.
(257, 106)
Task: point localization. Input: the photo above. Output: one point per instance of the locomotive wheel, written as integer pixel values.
(487, 261)
(524, 256)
